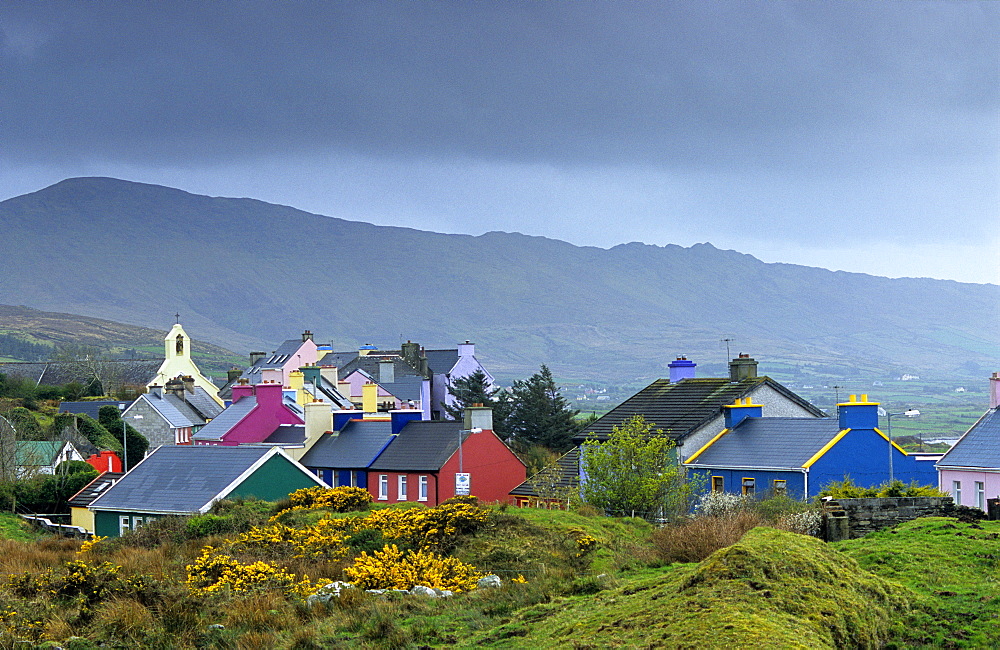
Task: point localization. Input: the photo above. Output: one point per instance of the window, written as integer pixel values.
(136, 523)
(980, 495)
(402, 488)
(718, 484)
(383, 486)
(749, 486)
(422, 496)
(779, 486)
(956, 492)
(123, 524)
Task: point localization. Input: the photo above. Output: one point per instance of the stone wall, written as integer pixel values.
(868, 515)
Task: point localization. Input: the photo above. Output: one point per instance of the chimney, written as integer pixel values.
(369, 397)
(478, 416)
(233, 374)
(329, 373)
(995, 390)
(365, 349)
(295, 379)
(188, 383)
(680, 369)
(739, 410)
(307, 336)
(241, 390)
(345, 388)
(311, 374)
(466, 349)
(156, 391)
(175, 386)
(743, 367)
(256, 356)
(270, 395)
(319, 420)
(410, 352)
(272, 375)
(386, 372)
(858, 413)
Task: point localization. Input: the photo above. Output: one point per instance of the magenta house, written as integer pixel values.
(970, 470)
(257, 411)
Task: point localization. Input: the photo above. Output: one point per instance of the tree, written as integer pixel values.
(474, 389)
(110, 418)
(635, 471)
(540, 415)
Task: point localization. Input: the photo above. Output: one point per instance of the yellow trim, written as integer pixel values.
(743, 484)
(722, 483)
(879, 431)
(741, 402)
(707, 445)
(854, 401)
(819, 454)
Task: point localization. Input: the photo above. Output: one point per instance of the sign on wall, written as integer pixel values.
(462, 483)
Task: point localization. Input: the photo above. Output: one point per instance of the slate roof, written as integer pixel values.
(441, 361)
(174, 410)
(276, 359)
(202, 402)
(180, 479)
(289, 434)
(567, 476)
(91, 408)
(92, 490)
(358, 444)
(786, 443)
(370, 366)
(420, 447)
(226, 420)
(682, 407)
(979, 447)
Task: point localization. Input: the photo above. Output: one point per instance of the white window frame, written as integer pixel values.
(383, 487)
(137, 523)
(956, 492)
(422, 493)
(124, 524)
(401, 487)
(981, 495)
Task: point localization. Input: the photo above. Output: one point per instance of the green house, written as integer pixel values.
(188, 480)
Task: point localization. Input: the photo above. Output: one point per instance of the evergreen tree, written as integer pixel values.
(111, 419)
(474, 389)
(540, 414)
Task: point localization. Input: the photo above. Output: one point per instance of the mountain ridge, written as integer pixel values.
(247, 274)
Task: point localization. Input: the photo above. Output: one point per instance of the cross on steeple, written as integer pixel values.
(177, 319)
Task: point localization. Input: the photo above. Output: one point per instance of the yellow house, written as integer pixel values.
(80, 515)
(178, 362)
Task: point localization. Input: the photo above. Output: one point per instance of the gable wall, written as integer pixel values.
(864, 456)
(764, 481)
(274, 480)
(152, 425)
(494, 469)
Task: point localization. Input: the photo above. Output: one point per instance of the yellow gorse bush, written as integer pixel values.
(90, 544)
(21, 628)
(338, 499)
(323, 540)
(214, 572)
(391, 568)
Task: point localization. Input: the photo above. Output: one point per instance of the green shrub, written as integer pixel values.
(847, 489)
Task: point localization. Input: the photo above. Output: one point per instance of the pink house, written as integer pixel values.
(970, 470)
(257, 412)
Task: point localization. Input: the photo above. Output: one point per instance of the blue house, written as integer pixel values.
(755, 455)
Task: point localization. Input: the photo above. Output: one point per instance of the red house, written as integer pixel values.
(425, 462)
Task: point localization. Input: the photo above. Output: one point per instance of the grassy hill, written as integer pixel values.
(927, 583)
(48, 331)
(247, 274)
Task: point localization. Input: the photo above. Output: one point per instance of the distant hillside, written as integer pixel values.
(43, 332)
(247, 274)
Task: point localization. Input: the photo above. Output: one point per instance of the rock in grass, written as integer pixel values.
(490, 581)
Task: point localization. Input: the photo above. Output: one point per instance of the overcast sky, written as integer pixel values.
(862, 136)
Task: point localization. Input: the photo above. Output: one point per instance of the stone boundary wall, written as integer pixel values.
(868, 515)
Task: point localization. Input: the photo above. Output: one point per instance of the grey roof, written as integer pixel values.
(226, 420)
(287, 434)
(94, 489)
(276, 359)
(327, 390)
(370, 366)
(90, 409)
(180, 479)
(770, 442)
(565, 477)
(174, 410)
(202, 402)
(420, 447)
(131, 371)
(680, 408)
(441, 361)
(979, 447)
(358, 444)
